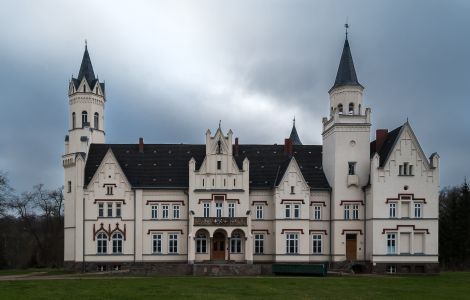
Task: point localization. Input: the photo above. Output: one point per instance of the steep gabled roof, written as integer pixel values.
(166, 165)
(346, 72)
(86, 71)
(387, 146)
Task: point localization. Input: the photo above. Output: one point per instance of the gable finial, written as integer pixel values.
(220, 122)
(86, 43)
(346, 26)
(293, 120)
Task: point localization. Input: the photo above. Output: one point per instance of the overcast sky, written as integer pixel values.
(175, 68)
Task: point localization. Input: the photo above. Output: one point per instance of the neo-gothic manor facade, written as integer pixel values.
(346, 201)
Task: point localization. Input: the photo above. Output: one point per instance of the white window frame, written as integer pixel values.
(118, 210)
(157, 243)
(296, 214)
(172, 243)
(201, 243)
(176, 211)
(117, 239)
(392, 210)
(355, 211)
(418, 210)
(317, 212)
(154, 211)
(392, 242)
(317, 243)
(259, 212)
(207, 209)
(165, 211)
(236, 243)
(102, 243)
(292, 242)
(109, 209)
(346, 212)
(109, 190)
(219, 209)
(259, 243)
(231, 210)
(288, 212)
(100, 209)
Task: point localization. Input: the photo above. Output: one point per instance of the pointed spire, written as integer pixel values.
(86, 69)
(294, 137)
(346, 72)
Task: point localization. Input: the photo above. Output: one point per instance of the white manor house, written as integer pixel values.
(170, 207)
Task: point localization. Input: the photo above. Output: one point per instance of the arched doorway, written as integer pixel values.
(218, 246)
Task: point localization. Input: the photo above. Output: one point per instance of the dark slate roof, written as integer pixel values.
(346, 72)
(387, 145)
(166, 165)
(294, 137)
(86, 71)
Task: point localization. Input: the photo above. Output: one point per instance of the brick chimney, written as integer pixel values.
(380, 137)
(141, 145)
(235, 147)
(288, 148)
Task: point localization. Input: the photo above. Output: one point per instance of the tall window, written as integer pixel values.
(391, 243)
(317, 212)
(351, 108)
(292, 243)
(118, 210)
(207, 209)
(296, 211)
(218, 209)
(292, 189)
(201, 243)
(110, 209)
(405, 170)
(236, 243)
(346, 212)
(165, 211)
(351, 212)
(84, 118)
(231, 210)
(173, 243)
(96, 120)
(74, 121)
(259, 243)
(157, 243)
(176, 211)
(219, 165)
(288, 211)
(355, 212)
(109, 190)
(392, 210)
(418, 210)
(102, 243)
(259, 212)
(316, 243)
(69, 186)
(100, 210)
(117, 243)
(351, 168)
(340, 108)
(154, 211)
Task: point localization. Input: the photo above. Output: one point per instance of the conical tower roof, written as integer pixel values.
(346, 72)
(294, 137)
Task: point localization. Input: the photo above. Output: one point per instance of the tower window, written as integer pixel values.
(352, 168)
(69, 186)
(96, 120)
(351, 108)
(73, 120)
(340, 108)
(84, 118)
(219, 165)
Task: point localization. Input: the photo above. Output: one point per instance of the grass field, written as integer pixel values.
(444, 286)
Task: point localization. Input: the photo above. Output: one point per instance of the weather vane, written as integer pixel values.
(346, 25)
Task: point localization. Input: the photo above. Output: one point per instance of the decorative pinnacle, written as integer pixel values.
(346, 25)
(293, 120)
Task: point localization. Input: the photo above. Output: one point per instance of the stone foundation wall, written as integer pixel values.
(407, 268)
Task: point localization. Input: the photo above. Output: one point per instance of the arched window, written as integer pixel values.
(236, 243)
(351, 108)
(201, 243)
(340, 108)
(73, 120)
(84, 118)
(102, 243)
(117, 243)
(96, 120)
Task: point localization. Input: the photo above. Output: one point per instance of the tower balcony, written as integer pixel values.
(222, 221)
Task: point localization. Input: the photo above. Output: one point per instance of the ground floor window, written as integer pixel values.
(201, 243)
(157, 243)
(316, 243)
(102, 243)
(391, 243)
(236, 243)
(259, 243)
(173, 243)
(292, 243)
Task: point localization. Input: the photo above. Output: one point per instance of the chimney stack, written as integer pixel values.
(380, 137)
(141, 145)
(288, 148)
(235, 147)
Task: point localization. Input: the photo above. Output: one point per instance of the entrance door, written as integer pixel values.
(351, 247)
(218, 246)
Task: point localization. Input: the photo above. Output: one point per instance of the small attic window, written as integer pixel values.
(127, 151)
(274, 152)
(169, 179)
(309, 152)
(125, 165)
(154, 179)
(169, 164)
(154, 164)
(139, 164)
(257, 151)
(262, 167)
(188, 152)
(169, 151)
(154, 151)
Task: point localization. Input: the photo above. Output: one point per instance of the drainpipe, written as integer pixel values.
(365, 224)
(331, 233)
(83, 237)
(187, 227)
(135, 230)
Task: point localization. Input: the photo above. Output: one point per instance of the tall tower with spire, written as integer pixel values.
(346, 152)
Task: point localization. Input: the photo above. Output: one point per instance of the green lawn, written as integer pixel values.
(444, 286)
(46, 271)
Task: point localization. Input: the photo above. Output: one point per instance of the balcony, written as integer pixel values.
(224, 221)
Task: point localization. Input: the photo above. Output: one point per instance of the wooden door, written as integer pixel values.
(218, 247)
(351, 247)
